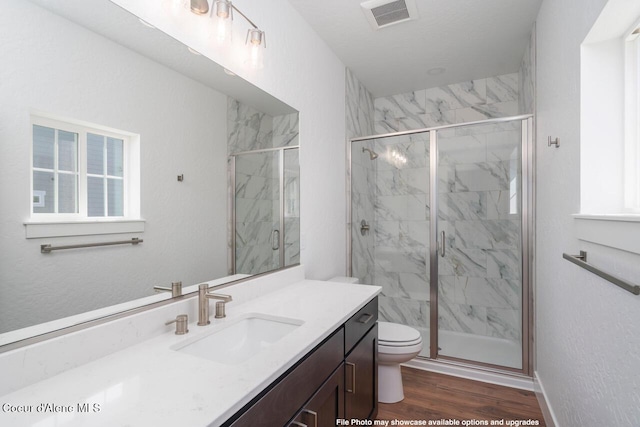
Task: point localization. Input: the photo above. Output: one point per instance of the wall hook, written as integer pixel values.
(555, 142)
(364, 227)
(180, 177)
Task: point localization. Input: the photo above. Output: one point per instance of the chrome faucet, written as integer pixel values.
(203, 304)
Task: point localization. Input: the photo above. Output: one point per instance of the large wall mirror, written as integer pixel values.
(213, 167)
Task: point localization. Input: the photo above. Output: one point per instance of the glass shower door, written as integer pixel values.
(479, 235)
(291, 208)
(390, 225)
(257, 212)
(265, 210)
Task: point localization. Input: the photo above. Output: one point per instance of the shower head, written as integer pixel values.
(372, 154)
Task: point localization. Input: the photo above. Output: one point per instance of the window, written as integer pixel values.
(609, 129)
(105, 176)
(83, 172)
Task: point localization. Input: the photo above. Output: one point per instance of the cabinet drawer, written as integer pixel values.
(358, 325)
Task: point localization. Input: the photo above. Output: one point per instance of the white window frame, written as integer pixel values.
(632, 120)
(57, 224)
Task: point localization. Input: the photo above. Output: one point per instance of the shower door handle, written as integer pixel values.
(442, 244)
(275, 240)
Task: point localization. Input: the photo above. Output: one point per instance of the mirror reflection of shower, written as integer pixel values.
(372, 154)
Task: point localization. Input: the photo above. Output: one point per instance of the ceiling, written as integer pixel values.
(470, 39)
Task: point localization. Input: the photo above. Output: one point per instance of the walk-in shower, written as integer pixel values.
(460, 276)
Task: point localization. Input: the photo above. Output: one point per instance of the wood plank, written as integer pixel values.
(430, 397)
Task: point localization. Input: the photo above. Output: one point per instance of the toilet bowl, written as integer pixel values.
(396, 344)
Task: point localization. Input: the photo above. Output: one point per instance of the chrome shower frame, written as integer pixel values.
(527, 239)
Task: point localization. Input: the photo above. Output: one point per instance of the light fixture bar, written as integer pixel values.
(244, 16)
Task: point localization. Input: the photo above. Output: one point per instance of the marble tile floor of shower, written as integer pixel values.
(478, 348)
(430, 396)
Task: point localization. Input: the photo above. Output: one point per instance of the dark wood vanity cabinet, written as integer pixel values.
(326, 406)
(361, 363)
(287, 395)
(337, 380)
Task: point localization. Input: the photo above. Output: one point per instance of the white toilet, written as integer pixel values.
(396, 344)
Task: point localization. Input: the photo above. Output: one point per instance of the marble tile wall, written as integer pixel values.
(247, 128)
(359, 122)
(402, 234)
(455, 103)
(285, 130)
(256, 198)
(257, 187)
(359, 108)
(527, 77)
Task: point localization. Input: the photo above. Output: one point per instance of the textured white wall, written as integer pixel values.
(588, 345)
(303, 72)
(61, 68)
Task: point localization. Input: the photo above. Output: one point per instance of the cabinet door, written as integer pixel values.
(326, 406)
(361, 378)
(284, 399)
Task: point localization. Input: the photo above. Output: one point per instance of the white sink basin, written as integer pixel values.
(240, 340)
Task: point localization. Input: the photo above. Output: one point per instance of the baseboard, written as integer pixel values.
(507, 380)
(547, 412)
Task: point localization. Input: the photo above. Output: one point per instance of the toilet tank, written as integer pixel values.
(344, 279)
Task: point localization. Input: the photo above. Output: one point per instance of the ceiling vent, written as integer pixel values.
(382, 13)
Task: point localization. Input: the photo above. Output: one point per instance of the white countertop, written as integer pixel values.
(149, 384)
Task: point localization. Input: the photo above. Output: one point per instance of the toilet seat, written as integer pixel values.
(396, 335)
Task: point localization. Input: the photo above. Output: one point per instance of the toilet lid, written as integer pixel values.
(394, 334)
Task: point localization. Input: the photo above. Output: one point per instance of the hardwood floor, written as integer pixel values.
(432, 397)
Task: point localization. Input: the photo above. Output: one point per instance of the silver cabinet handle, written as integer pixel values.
(275, 240)
(314, 415)
(365, 318)
(353, 378)
(296, 423)
(442, 244)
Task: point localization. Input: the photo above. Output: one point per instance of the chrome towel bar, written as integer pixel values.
(581, 260)
(45, 249)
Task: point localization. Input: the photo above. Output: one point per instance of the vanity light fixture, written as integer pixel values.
(222, 11)
(257, 42)
(224, 17)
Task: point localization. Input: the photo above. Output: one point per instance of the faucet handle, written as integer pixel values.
(220, 310)
(182, 322)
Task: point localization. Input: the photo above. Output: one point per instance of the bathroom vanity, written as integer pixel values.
(337, 380)
(316, 362)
